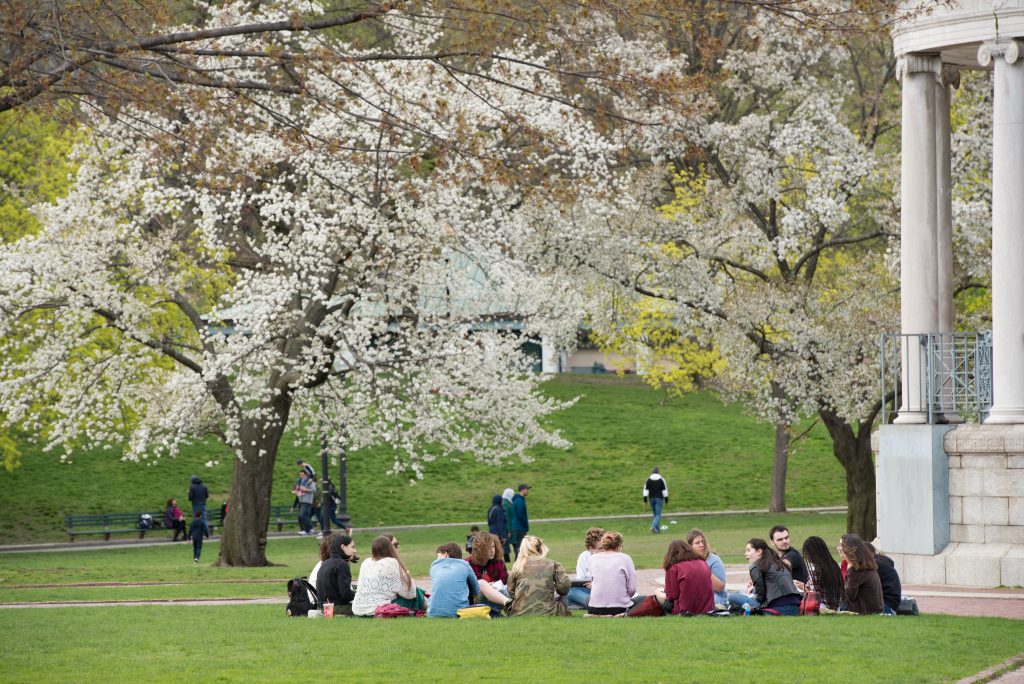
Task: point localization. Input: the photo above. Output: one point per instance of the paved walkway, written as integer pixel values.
(86, 544)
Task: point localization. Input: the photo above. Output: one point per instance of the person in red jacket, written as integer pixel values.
(687, 581)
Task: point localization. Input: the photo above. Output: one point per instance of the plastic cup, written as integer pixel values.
(328, 610)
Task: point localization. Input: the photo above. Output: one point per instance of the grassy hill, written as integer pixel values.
(713, 457)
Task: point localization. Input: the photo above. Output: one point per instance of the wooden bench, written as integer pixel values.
(124, 523)
(283, 515)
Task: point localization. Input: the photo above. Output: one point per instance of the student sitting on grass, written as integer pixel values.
(325, 553)
(613, 578)
(452, 582)
(535, 581)
(699, 542)
(382, 578)
(687, 581)
(485, 558)
(863, 586)
(580, 595)
(771, 583)
(334, 581)
(823, 574)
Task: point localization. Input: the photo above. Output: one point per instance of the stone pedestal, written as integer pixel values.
(913, 489)
(985, 516)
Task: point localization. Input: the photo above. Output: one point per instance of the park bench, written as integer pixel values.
(281, 516)
(124, 523)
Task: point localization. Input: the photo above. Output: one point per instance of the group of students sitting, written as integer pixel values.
(606, 579)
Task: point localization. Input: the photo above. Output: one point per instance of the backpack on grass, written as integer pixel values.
(302, 598)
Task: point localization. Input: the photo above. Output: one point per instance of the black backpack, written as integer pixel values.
(299, 603)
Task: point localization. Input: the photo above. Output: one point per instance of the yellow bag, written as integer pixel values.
(481, 612)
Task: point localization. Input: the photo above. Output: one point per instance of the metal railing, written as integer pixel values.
(947, 376)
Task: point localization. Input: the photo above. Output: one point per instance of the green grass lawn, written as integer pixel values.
(620, 429)
(47, 576)
(258, 643)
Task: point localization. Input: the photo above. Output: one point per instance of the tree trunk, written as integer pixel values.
(853, 450)
(244, 542)
(779, 467)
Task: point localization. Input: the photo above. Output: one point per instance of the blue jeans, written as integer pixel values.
(788, 609)
(579, 596)
(656, 504)
(199, 508)
(737, 600)
(305, 510)
(197, 547)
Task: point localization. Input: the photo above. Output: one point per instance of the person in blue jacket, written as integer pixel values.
(519, 525)
(197, 531)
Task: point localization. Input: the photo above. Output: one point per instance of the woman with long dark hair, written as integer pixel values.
(863, 587)
(382, 578)
(771, 581)
(687, 581)
(334, 580)
(823, 574)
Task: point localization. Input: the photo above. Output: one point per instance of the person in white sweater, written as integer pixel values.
(382, 578)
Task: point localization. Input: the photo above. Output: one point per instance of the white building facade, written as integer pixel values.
(951, 495)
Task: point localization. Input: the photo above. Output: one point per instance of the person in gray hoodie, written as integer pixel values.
(198, 494)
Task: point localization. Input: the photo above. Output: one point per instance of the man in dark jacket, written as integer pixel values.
(779, 536)
(519, 525)
(198, 494)
(497, 523)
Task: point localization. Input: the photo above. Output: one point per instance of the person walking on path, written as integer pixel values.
(198, 494)
(519, 523)
(656, 490)
(198, 531)
(304, 490)
(497, 524)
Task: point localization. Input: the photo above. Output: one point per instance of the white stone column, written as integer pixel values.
(949, 78)
(1007, 230)
(918, 223)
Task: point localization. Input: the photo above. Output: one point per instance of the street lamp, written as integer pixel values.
(337, 496)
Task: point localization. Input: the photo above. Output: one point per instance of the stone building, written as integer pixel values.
(951, 494)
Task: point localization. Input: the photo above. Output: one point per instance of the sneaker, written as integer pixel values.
(303, 533)
(320, 535)
(195, 560)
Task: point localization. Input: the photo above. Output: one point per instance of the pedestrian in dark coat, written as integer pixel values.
(198, 530)
(497, 523)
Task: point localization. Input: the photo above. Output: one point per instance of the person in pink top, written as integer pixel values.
(687, 580)
(613, 577)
